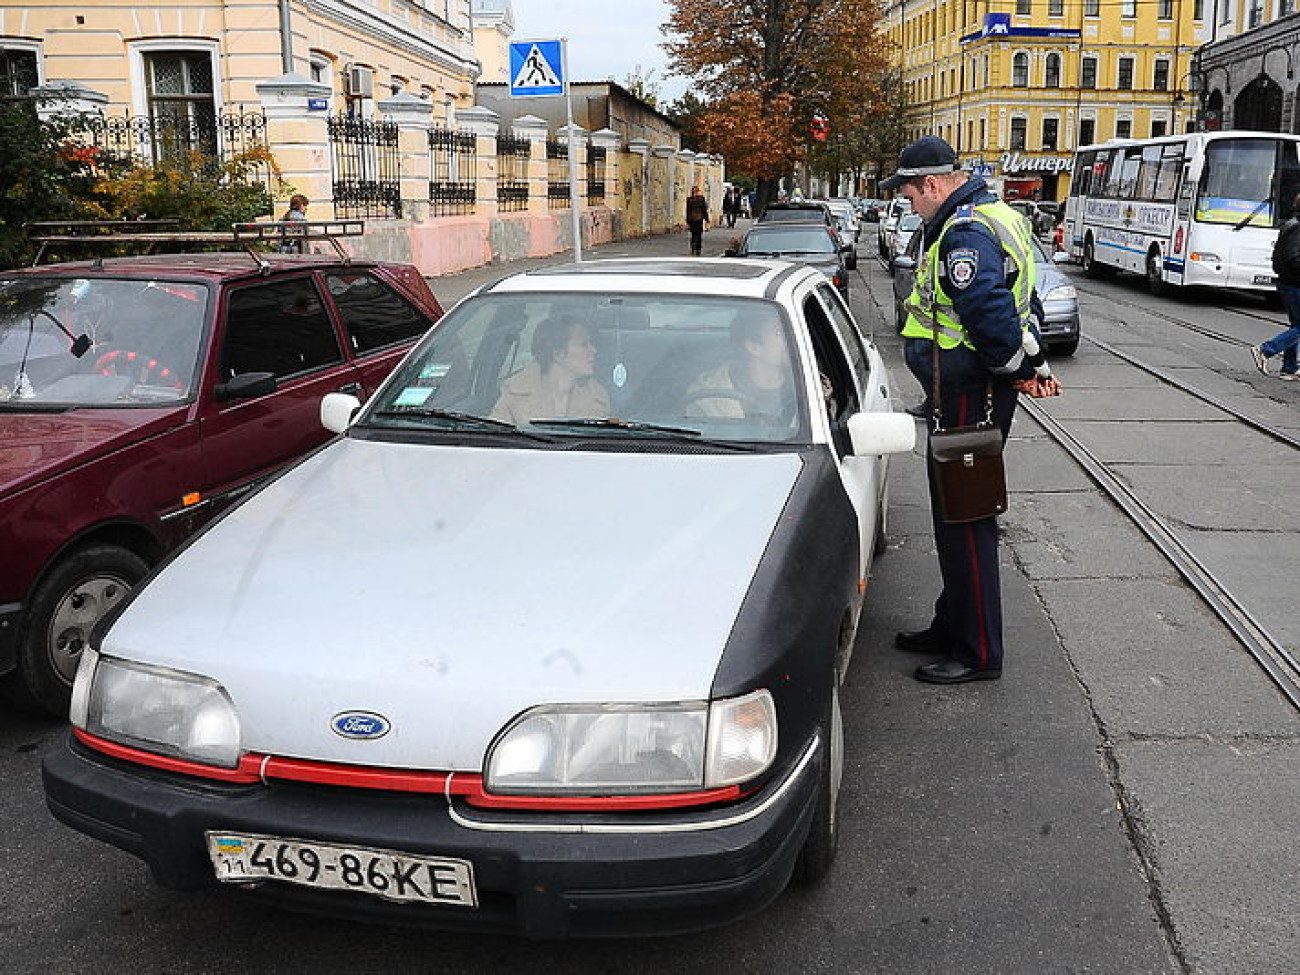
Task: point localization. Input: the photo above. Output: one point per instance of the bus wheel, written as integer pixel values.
(1155, 275)
(1090, 265)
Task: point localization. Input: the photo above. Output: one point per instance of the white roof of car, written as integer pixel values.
(735, 277)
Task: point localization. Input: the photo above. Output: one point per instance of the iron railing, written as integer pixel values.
(596, 174)
(513, 155)
(453, 172)
(364, 154)
(557, 173)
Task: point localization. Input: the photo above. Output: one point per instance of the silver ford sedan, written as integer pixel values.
(547, 640)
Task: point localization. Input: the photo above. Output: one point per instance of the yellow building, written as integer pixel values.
(196, 58)
(1017, 85)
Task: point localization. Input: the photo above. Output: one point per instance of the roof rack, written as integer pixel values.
(155, 233)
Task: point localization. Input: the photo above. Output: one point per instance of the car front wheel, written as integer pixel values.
(63, 610)
(823, 840)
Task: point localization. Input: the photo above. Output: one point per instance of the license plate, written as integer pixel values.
(392, 875)
(1264, 279)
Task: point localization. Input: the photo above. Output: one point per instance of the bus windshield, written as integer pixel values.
(1238, 185)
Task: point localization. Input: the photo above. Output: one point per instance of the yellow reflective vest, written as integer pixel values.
(930, 311)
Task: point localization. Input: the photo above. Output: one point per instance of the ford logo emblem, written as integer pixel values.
(360, 724)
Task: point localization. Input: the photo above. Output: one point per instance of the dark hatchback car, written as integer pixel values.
(140, 396)
(808, 242)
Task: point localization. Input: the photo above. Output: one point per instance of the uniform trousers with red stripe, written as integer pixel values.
(969, 609)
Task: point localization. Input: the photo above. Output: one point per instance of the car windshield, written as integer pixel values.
(639, 367)
(98, 341)
(789, 240)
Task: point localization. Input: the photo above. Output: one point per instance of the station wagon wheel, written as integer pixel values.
(823, 840)
(63, 610)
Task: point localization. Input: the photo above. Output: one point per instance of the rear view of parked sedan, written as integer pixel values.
(502, 659)
(809, 243)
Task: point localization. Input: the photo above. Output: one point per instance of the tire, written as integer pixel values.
(1090, 266)
(63, 609)
(818, 852)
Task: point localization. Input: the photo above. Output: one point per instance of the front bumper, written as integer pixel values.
(542, 875)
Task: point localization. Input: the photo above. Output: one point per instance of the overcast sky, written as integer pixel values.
(607, 38)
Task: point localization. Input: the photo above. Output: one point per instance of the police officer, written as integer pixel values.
(973, 297)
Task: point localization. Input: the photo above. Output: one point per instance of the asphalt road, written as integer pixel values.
(1124, 800)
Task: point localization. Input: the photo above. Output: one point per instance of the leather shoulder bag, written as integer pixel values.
(969, 474)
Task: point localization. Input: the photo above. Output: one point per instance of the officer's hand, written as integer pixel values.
(1038, 388)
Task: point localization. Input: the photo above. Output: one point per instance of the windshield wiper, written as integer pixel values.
(467, 419)
(1253, 214)
(635, 426)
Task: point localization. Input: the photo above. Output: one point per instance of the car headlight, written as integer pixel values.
(156, 709)
(622, 749)
(1061, 292)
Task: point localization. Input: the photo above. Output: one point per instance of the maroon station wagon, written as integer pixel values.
(140, 396)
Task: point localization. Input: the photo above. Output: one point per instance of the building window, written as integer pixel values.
(1125, 80)
(1024, 8)
(181, 102)
(1255, 15)
(983, 141)
(1052, 73)
(1018, 127)
(1161, 80)
(1087, 131)
(1165, 10)
(18, 72)
(1092, 8)
(1157, 128)
(1050, 129)
(1198, 10)
(322, 70)
(1088, 73)
(1056, 8)
(1020, 71)
(1124, 129)
(1128, 8)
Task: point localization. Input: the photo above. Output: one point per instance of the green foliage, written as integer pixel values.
(47, 174)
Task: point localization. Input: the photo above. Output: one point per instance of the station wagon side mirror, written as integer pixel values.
(904, 263)
(873, 434)
(246, 385)
(337, 411)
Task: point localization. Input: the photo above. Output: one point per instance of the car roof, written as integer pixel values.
(736, 277)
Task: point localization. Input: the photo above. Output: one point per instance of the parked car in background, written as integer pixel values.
(1041, 216)
(909, 225)
(888, 222)
(846, 213)
(362, 712)
(800, 212)
(141, 396)
(810, 243)
(1059, 324)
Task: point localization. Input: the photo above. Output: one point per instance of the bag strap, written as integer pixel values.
(934, 346)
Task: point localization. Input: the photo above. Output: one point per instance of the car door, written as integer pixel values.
(379, 323)
(281, 327)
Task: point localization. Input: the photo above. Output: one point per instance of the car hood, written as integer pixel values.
(39, 445)
(450, 588)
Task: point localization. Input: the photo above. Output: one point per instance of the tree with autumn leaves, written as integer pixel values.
(766, 67)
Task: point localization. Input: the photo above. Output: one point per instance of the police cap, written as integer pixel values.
(927, 156)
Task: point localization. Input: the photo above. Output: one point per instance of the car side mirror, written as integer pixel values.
(905, 263)
(873, 433)
(337, 411)
(1061, 257)
(246, 385)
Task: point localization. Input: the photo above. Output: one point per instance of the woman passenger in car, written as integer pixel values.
(561, 379)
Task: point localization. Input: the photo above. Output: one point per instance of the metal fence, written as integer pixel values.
(182, 140)
(596, 174)
(367, 179)
(557, 173)
(453, 172)
(513, 155)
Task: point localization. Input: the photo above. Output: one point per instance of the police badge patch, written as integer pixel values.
(963, 262)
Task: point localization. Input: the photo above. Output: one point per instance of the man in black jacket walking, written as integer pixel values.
(1286, 265)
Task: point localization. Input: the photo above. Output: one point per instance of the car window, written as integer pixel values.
(374, 315)
(850, 336)
(99, 341)
(789, 240)
(832, 365)
(280, 327)
(721, 366)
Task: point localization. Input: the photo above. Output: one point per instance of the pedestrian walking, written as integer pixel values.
(297, 213)
(731, 205)
(968, 314)
(697, 215)
(1286, 266)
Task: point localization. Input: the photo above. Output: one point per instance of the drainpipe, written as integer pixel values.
(286, 38)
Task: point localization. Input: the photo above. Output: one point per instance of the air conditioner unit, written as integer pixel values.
(360, 81)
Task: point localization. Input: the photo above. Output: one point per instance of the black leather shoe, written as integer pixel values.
(953, 672)
(922, 641)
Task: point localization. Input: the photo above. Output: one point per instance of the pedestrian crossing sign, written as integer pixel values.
(536, 68)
